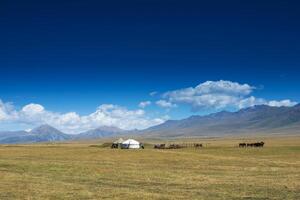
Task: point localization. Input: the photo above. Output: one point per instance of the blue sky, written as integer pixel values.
(72, 57)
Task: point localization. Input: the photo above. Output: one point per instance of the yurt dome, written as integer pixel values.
(130, 144)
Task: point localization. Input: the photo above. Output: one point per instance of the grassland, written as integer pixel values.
(220, 170)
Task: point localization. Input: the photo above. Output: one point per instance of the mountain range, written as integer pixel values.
(46, 133)
(260, 119)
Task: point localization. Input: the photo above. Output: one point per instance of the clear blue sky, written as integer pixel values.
(76, 55)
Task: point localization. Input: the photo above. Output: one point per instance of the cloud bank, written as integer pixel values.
(217, 95)
(71, 122)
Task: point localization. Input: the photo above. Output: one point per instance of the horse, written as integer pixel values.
(256, 144)
(259, 144)
(242, 145)
(198, 145)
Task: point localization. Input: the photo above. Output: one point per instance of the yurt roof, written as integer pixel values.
(130, 141)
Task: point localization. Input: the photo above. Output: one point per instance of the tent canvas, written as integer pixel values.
(130, 144)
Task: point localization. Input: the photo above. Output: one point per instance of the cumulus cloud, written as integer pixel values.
(114, 115)
(144, 104)
(216, 95)
(285, 102)
(251, 101)
(165, 104)
(71, 122)
(33, 108)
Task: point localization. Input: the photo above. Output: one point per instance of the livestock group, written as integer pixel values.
(255, 144)
(177, 146)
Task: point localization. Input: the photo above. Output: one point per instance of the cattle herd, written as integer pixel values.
(177, 146)
(256, 144)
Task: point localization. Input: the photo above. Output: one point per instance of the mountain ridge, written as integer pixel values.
(256, 119)
(100, 132)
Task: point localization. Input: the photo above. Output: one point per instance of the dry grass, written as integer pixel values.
(219, 171)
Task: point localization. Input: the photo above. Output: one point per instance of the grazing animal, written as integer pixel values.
(259, 144)
(242, 145)
(160, 146)
(198, 145)
(250, 144)
(176, 146)
(256, 144)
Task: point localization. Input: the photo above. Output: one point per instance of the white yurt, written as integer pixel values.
(130, 144)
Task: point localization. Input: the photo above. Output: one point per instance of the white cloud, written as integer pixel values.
(285, 102)
(33, 108)
(223, 87)
(153, 93)
(210, 94)
(216, 95)
(7, 111)
(71, 122)
(250, 101)
(144, 104)
(165, 104)
(114, 115)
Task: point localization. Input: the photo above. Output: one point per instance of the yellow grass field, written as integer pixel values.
(220, 170)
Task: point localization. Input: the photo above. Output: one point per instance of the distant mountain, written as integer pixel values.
(257, 119)
(48, 133)
(103, 131)
(6, 134)
(44, 133)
